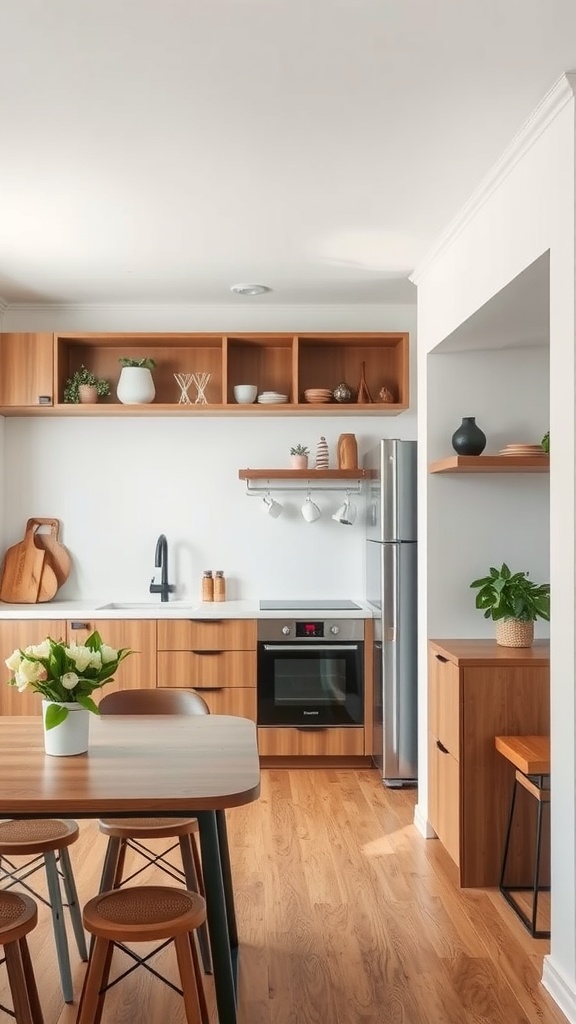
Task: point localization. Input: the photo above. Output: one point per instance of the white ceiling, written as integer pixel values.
(158, 151)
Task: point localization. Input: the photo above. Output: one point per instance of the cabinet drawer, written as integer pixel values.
(233, 700)
(309, 742)
(444, 797)
(444, 702)
(206, 635)
(208, 668)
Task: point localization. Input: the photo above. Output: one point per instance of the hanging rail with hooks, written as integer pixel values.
(259, 480)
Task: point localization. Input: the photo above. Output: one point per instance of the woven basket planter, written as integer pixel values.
(514, 633)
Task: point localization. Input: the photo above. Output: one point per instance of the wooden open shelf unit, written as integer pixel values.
(34, 369)
(491, 464)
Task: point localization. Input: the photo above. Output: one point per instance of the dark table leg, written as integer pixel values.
(227, 879)
(217, 880)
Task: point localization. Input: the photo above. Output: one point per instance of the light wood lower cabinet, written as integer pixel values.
(139, 669)
(286, 742)
(20, 633)
(476, 691)
(216, 657)
(237, 700)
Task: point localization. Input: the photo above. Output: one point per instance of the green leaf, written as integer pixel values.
(55, 714)
(88, 703)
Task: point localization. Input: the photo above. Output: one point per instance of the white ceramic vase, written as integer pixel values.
(71, 736)
(135, 385)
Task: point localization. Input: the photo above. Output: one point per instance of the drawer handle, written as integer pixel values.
(79, 625)
(441, 658)
(210, 689)
(208, 622)
(314, 728)
(207, 652)
(442, 747)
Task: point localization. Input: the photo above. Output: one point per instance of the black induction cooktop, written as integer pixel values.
(309, 606)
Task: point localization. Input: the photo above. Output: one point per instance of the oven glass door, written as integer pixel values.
(310, 684)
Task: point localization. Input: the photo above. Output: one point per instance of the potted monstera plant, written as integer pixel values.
(514, 602)
(135, 385)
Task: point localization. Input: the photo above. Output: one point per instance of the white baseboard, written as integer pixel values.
(561, 988)
(422, 824)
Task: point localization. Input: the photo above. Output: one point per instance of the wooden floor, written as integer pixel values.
(346, 916)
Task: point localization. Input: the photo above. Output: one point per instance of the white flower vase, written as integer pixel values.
(71, 736)
(135, 385)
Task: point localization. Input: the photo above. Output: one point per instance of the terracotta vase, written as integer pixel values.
(299, 461)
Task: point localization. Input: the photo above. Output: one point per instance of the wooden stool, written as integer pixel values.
(143, 914)
(124, 833)
(41, 840)
(530, 755)
(18, 916)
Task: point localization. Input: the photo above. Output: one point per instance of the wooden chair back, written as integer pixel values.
(175, 701)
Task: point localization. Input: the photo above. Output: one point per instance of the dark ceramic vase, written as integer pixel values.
(469, 439)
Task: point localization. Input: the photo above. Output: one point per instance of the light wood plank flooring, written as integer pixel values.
(346, 916)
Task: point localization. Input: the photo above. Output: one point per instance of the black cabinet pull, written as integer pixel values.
(442, 747)
(441, 658)
(79, 625)
(207, 652)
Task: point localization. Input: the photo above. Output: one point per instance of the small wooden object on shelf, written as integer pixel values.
(363, 396)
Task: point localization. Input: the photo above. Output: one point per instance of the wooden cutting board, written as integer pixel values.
(22, 570)
(57, 557)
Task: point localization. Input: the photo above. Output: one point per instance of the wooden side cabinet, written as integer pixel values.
(26, 370)
(476, 691)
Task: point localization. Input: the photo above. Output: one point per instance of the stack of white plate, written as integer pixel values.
(522, 449)
(269, 397)
(318, 395)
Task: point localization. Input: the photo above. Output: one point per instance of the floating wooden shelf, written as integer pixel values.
(491, 464)
(304, 474)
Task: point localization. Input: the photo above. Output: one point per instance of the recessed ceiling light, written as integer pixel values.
(249, 289)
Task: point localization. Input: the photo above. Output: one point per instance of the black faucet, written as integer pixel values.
(161, 561)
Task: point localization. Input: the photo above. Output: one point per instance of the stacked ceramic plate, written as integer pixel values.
(522, 450)
(318, 395)
(271, 397)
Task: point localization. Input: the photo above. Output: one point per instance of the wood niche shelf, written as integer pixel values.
(304, 474)
(491, 464)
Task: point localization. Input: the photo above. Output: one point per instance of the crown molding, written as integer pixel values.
(561, 93)
(194, 308)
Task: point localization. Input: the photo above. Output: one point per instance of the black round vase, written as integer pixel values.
(469, 439)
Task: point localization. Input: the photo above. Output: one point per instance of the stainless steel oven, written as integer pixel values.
(310, 672)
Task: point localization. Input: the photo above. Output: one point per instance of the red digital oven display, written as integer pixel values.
(309, 629)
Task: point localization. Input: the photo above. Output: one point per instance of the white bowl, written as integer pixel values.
(245, 393)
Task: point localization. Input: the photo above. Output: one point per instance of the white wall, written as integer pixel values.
(479, 520)
(525, 208)
(116, 483)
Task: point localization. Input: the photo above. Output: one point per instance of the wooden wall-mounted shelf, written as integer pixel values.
(304, 474)
(491, 464)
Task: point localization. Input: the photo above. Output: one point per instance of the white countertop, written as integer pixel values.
(176, 609)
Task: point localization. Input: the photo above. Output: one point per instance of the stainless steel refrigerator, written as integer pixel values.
(391, 588)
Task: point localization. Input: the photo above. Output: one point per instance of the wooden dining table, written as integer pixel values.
(139, 765)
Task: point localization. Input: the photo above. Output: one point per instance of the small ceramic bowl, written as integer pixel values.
(245, 393)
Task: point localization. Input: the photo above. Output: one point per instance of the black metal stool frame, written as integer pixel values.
(541, 783)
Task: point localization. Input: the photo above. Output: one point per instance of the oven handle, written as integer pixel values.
(311, 647)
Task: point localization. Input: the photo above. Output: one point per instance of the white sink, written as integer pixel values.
(162, 606)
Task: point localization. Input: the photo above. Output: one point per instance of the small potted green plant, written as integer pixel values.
(85, 386)
(514, 603)
(135, 385)
(299, 456)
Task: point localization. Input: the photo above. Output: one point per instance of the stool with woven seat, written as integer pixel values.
(45, 843)
(124, 833)
(144, 914)
(18, 917)
(530, 756)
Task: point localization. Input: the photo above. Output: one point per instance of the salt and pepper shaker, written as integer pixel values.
(207, 585)
(219, 585)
